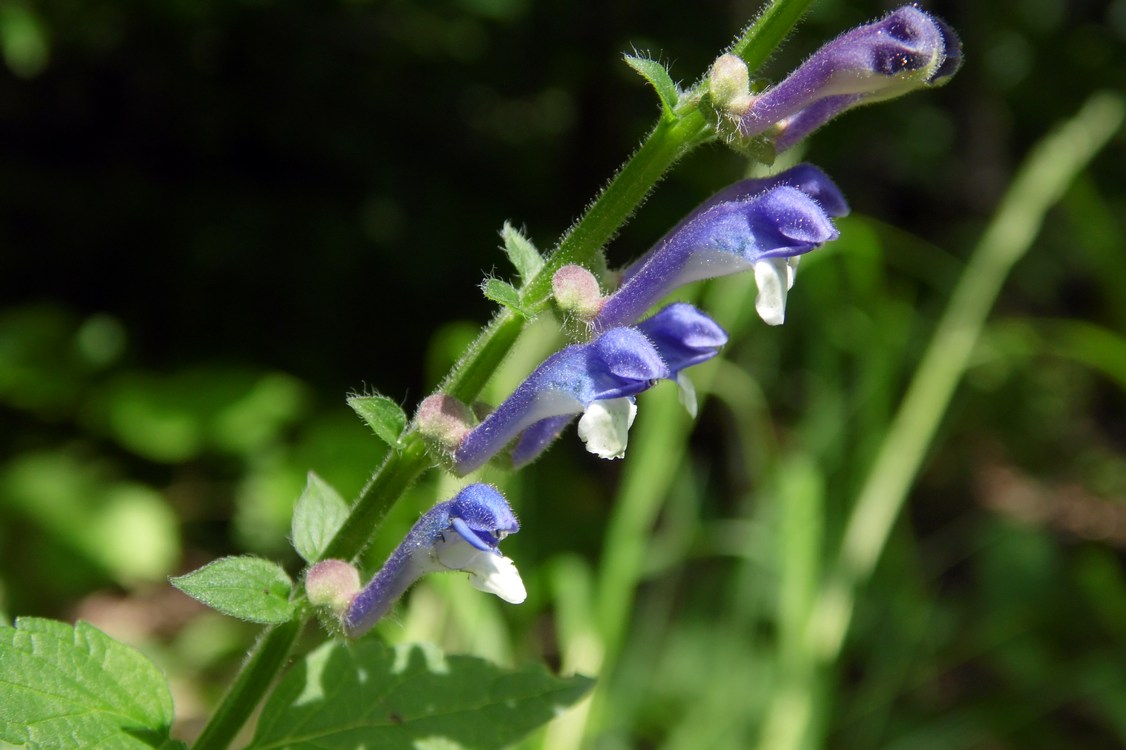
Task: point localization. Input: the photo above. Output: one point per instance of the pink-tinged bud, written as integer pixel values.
(445, 420)
(576, 291)
(332, 584)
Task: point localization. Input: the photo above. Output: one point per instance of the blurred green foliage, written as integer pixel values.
(218, 219)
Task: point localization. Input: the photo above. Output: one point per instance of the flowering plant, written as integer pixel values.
(625, 338)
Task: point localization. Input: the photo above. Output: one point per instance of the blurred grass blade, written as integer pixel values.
(1090, 345)
(1046, 174)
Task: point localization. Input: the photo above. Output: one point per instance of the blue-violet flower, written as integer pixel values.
(614, 367)
(906, 50)
(760, 224)
(598, 380)
(684, 337)
(458, 534)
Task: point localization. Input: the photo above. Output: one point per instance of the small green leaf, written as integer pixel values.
(658, 76)
(77, 687)
(382, 415)
(362, 694)
(245, 587)
(521, 252)
(505, 294)
(318, 515)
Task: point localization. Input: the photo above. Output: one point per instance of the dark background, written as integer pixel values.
(314, 186)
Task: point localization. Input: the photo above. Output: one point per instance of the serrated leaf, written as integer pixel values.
(505, 294)
(521, 252)
(659, 78)
(385, 418)
(77, 687)
(362, 694)
(318, 515)
(245, 587)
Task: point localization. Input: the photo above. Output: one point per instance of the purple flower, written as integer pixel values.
(458, 534)
(762, 224)
(597, 380)
(806, 177)
(905, 50)
(617, 365)
(684, 336)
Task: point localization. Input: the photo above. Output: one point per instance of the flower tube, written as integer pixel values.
(754, 224)
(598, 381)
(459, 534)
(906, 50)
(617, 365)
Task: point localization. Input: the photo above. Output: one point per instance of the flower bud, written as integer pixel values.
(332, 584)
(906, 50)
(576, 291)
(730, 85)
(444, 420)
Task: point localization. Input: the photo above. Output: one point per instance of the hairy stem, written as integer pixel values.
(262, 665)
(768, 31)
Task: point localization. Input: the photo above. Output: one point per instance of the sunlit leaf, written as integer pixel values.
(520, 250)
(385, 418)
(362, 694)
(77, 687)
(316, 518)
(245, 587)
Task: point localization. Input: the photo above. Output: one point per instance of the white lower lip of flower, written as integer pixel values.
(687, 394)
(498, 575)
(604, 426)
(774, 277)
(488, 571)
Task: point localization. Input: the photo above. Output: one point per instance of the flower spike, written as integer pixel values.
(750, 224)
(459, 534)
(906, 50)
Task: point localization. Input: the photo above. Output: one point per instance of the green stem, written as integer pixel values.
(1049, 169)
(763, 36)
(266, 660)
(665, 145)
(398, 472)
(468, 378)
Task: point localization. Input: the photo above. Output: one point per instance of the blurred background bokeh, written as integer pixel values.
(219, 218)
